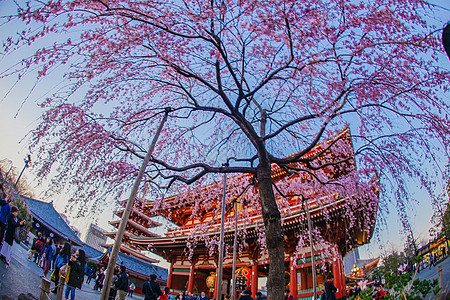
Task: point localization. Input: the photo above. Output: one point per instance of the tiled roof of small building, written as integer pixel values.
(45, 213)
(141, 266)
(91, 252)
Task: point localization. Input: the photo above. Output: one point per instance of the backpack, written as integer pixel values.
(148, 291)
(38, 246)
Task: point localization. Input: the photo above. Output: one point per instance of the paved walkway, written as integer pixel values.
(432, 273)
(23, 276)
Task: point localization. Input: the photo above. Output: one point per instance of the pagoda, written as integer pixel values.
(194, 261)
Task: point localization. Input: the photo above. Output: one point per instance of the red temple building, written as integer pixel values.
(193, 268)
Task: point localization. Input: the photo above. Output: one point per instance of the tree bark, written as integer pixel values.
(274, 235)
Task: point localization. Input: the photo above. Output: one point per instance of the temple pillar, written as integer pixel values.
(216, 284)
(170, 277)
(254, 283)
(339, 277)
(191, 278)
(293, 277)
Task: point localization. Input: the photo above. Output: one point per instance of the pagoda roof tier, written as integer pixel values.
(338, 234)
(126, 234)
(135, 213)
(131, 251)
(180, 212)
(135, 225)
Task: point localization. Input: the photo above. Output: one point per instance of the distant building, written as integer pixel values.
(356, 268)
(49, 222)
(96, 237)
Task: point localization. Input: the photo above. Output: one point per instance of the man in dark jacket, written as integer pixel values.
(246, 295)
(151, 289)
(330, 289)
(121, 284)
(5, 210)
(12, 223)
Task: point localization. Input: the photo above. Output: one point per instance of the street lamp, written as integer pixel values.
(222, 230)
(27, 161)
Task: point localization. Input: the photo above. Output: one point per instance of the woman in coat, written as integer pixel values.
(11, 224)
(76, 274)
(49, 251)
(61, 259)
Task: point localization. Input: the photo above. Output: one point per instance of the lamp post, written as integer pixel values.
(27, 161)
(126, 213)
(313, 261)
(222, 232)
(233, 273)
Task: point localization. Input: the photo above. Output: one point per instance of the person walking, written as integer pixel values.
(190, 296)
(122, 283)
(90, 273)
(203, 296)
(49, 251)
(112, 288)
(246, 295)
(61, 259)
(131, 289)
(166, 294)
(4, 213)
(259, 296)
(99, 281)
(330, 289)
(11, 224)
(76, 274)
(431, 260)
(37, 247)
(151, 289)
(287, 295)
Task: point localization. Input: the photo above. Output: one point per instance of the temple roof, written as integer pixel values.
(129, 251)
(179, 212)
(135, 212)
(177, 240)
(91, 252)
(326, 208)
(133, 224)
(45, 214)
(138, 265)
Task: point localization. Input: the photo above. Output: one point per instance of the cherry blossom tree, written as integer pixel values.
(250, 83)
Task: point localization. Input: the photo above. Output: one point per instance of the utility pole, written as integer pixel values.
(222, 232)
(27, 162)
(313, 261)
(126, 213)
(233, 273)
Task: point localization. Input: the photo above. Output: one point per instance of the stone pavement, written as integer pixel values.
(432, 273)
(23, 276)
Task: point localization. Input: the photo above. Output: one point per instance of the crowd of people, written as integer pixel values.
(9, 223)
(62, 260)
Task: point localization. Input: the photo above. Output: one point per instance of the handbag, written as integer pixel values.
(20, 234)
(53, 276)
(64, 270)
(68, 274)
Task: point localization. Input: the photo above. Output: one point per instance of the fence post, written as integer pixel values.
(45, 289)
(59, 294)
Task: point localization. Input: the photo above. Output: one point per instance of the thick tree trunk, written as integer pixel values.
(274, 236)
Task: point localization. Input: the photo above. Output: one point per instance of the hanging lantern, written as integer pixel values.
(211, 281)
(242, 279)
